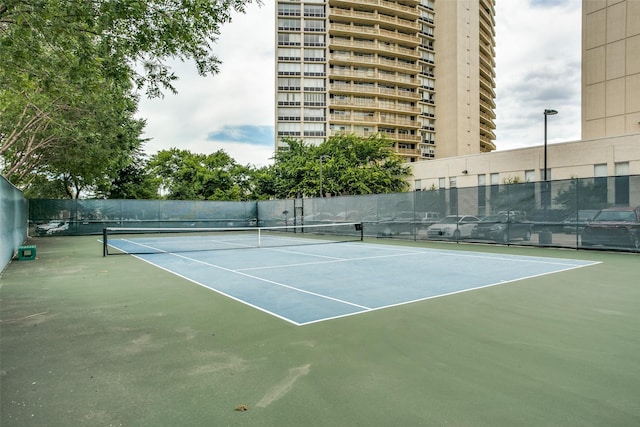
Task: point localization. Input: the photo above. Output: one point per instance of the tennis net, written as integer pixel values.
(130, 240)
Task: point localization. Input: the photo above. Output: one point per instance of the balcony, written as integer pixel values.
(399, 22)
(395, 64)
(488, 108)
(354, 15)
(372, 76)
(486, 85)
(486, 144)
(374, 46)
(389, 7)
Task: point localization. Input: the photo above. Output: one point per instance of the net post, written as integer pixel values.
(361, 230)
(259, 237)
(105, 250)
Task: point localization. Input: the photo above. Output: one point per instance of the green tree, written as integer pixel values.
(188, 176)
(130, 179)
(582, 194)
(70, 71)
(513, 195)
(263, 183)
(125, 37)
(350, 165)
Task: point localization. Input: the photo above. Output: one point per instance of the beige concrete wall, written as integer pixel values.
(610, 68)
(565, 160)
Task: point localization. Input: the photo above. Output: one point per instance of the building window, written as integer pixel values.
(289, 129)
(287, 39)
(494, 190)
(288, 83)
(622, 168)
(288, 68)
(289, 98)
(314, 99)
(314, 25)
(314, 112)
(600, 170)
(314, 70)
(288, 9)
(314, 39)
(313, 10)
(622, 184)
(289, 114)
(482, 194)
(286, 24)
(600, 187)
(289, 54)
(314, 84)
(314, 54)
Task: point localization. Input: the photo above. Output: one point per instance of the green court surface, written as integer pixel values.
(114, 341)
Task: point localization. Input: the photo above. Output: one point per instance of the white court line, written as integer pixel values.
(529, 259)
(231, 244)
(242, 301)
(219, 267)
(140, 244)
(333, 261)
(402, 252)
(501, 282)
(273, 282)
(288, 251)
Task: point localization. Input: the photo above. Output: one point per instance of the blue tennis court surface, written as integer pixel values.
(312, 283)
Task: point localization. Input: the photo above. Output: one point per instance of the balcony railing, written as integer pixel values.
(373, 45)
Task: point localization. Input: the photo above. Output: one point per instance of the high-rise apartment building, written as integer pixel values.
(420, 72)
(610, 68)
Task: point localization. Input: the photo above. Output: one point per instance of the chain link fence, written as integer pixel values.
(555, 213)
(13, 220)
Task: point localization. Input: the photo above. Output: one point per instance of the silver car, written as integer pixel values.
(453, 227)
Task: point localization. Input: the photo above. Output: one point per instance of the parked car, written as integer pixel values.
(616, 227)
(63, 226)
(453, 227)
(403, 222)
(428, 218)
(577, 223)
(51, 227)
(503, 228)
(547, 220)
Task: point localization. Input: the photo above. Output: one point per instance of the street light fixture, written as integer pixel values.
(323, 157)
(545, 236)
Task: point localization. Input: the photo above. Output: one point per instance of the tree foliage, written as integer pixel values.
(130, 179)
(350, 165)
(188, 176)
(70, 73)
(583, 194)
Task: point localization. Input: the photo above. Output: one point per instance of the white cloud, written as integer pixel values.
(241, 94)
(538, 66)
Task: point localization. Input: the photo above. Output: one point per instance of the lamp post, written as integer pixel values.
(321, 159)
(545, 236)
(546, 113)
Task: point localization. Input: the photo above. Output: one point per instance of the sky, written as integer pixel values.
(538, 50)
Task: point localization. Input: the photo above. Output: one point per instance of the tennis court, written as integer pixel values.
(303, 280)
(141, 340)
